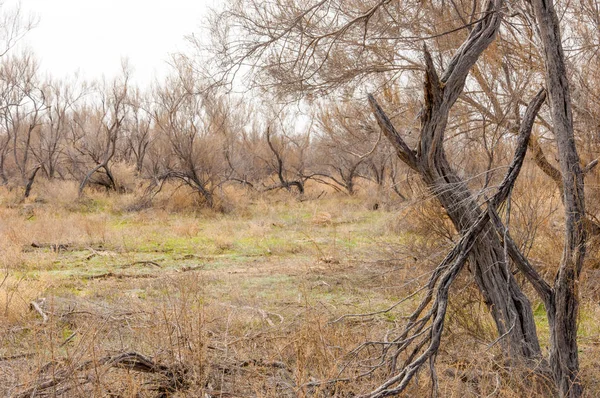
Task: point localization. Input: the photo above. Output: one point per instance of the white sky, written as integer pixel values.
(91, 36)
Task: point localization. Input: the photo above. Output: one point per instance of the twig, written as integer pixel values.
(68, 339)
(380, 311)
(17, 356)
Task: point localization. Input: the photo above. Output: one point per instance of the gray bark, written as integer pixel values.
(563, 310)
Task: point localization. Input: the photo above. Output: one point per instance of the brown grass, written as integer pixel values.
(240, 302)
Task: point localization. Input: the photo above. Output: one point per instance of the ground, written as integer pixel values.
(174, 300)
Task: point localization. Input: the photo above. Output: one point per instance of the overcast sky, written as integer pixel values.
(93, 35)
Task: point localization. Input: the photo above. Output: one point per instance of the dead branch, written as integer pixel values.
(146, 262)
(38, 308)
(30, 181)
(175, 376)
(55, 247)
(116, 275)
(17, 356)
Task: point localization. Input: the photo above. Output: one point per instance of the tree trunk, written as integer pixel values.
(508, 305)
(29, 184)
(564, 308)
(510, 308)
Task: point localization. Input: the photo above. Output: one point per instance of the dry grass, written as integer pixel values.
(239, 304)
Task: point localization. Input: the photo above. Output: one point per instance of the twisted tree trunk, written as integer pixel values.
(425, 348)
(509, 307)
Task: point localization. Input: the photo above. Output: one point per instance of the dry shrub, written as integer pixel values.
(468, 319)
(485, 375)
(126, 176)
(10, 196)
(425, 219)
(16, 294)
(376, 197)
(172, 331)
(176, 198)
(59, 193)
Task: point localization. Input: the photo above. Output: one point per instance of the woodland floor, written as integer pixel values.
(237, 304)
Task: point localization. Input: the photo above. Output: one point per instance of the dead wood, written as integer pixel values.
(38, 308)
(420, 339)
(143, 262)
(29, 184)
(173, 377)
(117, 275)
(55, 247)
(17, 356)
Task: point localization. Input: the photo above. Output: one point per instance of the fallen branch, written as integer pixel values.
(17, 356)
(154, 263)
(37, 307)
(100, 253)
(55, 247)
(175, 376)
(115, 275)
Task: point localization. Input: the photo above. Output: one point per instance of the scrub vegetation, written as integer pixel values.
(270, 299)
(323, 199)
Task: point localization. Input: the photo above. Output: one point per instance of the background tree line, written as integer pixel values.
(178, 130)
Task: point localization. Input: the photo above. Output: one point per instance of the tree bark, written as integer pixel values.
(564, 309)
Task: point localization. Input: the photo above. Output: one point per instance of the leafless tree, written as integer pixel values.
(138, 129)
(99, 126)
(346, 144)
(48, 148)
(195, 127)
(24, 104)
(287, 177)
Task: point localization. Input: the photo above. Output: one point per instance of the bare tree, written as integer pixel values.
(48, 147)
(138, 130)
(195, 126)
(100, 126)
(13, 27)
(21, 116)
(346, 144)
(280, 150)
